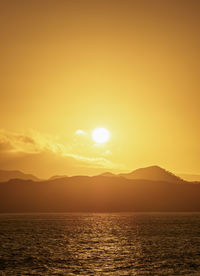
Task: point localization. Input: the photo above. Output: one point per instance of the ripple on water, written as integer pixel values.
(100, 244)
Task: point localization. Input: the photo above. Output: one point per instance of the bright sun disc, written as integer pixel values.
(100, 135)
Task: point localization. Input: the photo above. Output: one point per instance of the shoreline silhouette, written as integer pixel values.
(150, 189)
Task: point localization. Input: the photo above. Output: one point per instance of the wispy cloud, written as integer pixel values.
(80, 132)
(36, 143)
(33, 142)
(92, 161)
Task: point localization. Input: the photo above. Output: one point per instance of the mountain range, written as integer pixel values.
(147, 189)
(154, 173)
(6, 175)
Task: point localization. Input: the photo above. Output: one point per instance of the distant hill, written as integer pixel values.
(98, 194)
(109, 174)
(6, 175)
(154, 173)
(57, 177)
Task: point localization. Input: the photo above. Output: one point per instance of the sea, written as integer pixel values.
(100, 244)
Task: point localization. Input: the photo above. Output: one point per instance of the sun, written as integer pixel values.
(100, 135)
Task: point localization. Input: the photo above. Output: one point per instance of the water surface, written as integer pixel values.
(100, 244)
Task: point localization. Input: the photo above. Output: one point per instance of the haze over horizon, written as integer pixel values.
(130, 68)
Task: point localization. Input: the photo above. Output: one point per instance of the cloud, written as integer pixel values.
(43, 154)
(91, 161)
(31, 143)
(80, 132)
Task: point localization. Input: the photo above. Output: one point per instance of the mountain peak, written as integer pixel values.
(108, 174)
(154, 173)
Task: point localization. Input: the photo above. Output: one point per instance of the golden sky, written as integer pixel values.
(129, 66)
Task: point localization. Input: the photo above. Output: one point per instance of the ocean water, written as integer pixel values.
(100, 244)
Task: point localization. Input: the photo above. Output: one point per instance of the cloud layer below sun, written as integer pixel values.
(44, 154)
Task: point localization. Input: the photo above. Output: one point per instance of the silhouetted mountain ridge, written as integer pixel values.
(98, 194)
(6, 175)
(108, 174)
(57, 177)
(154, 173)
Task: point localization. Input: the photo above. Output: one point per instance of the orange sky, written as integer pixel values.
(129, 66)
